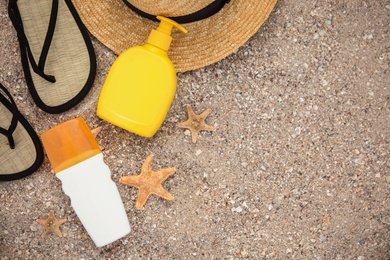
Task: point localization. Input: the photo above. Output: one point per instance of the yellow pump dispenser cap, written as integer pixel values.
(69, 143)
(161, 37)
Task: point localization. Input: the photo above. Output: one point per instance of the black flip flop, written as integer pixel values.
(21, 151)
(58, 58)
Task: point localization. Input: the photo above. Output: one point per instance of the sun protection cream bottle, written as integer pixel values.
(141, 84)
(77, 160)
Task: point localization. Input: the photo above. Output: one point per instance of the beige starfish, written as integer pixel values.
(51, 224)
(196, 123)
(149, 182)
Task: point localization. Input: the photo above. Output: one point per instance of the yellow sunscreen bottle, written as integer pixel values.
(141, 84)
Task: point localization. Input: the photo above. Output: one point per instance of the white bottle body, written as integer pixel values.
(96, 200)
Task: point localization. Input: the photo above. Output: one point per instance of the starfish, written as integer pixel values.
(196, 122)
(149, 182)
(51, 224)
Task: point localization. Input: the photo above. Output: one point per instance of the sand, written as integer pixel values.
(297, 167)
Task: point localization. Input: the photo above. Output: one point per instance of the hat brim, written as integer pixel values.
(206, 42)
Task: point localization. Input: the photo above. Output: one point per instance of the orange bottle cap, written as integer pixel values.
(69, 143)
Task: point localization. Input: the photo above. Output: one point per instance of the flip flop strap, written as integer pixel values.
(14, 121)
(16, 19)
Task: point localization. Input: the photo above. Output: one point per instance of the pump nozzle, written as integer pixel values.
(167, 24)
(161, 37)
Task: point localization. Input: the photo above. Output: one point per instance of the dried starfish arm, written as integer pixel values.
(143, 196)
(147, 165)
(164, 174)
(134, 181)
(204, 114)
(96, 131)
(161, 192)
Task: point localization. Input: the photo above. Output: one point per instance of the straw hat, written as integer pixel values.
(119, 25)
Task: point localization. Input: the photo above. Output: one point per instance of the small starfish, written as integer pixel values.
(149, 182)
(196, 122)
(51, 224)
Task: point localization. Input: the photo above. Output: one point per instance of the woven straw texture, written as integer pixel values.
(207, 41)
(24, 155)
(68, 58)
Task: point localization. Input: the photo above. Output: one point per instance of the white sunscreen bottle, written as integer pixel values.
(77, 160)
